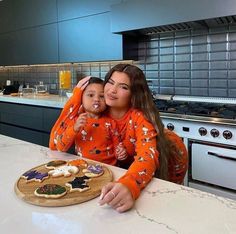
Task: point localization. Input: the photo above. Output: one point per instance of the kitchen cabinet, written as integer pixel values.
(36, 45)
(26, 122)
(88, 39)
(77, 8)
(6, 16)
(28, 13)
(7, 42)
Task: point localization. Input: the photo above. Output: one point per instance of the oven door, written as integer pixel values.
(214, 164)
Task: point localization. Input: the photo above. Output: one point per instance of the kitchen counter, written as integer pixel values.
(163, 207)
(36, 100)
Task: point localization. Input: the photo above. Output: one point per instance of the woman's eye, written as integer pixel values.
(124, 87)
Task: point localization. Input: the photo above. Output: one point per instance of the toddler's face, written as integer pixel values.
(93, 99)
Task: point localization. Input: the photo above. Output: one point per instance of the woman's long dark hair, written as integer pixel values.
(141, 99)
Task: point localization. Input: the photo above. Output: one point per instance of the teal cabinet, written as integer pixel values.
(36, 45)
(28, 13)
(28, 123)
(89, 39)
(80, 8)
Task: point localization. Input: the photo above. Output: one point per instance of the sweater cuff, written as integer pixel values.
(131, 185)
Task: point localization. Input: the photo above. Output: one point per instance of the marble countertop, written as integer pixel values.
(37, 100)
(163, 207)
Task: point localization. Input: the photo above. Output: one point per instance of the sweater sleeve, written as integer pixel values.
(62, 134)
(145, 162)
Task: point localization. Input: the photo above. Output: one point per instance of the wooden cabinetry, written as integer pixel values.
(26, 122)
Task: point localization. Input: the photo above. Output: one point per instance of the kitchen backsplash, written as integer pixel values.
(197, 63)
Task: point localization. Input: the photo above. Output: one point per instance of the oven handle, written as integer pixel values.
(221, 156)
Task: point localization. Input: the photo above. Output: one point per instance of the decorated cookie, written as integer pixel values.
(34, 175)
(64, 171)
(50, 191)
(78, 163)
(78, 184)
(93, 170)
(55, 163)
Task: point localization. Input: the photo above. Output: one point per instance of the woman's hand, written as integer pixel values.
(80, 122)
(83, 83)
(117, 196)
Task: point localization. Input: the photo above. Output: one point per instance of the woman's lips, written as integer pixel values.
(111, 97)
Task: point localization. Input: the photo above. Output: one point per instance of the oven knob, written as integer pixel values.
(227, 134)
(170, 126)
(215, 132)
(202, 131)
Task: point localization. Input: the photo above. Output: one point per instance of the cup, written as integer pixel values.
(64, 80)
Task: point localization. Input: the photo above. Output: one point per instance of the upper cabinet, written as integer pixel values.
(88, 39)
(138, 14)
(28, 13)
(6, 16)
(36, 45)
(78, 8)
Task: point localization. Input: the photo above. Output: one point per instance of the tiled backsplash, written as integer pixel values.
(197, 63)
(48, 74)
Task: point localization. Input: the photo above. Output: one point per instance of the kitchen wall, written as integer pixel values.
(192, 62)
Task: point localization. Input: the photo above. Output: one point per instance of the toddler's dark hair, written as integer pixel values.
(95, 80)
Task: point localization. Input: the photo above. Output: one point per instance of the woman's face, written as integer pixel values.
(117, 91)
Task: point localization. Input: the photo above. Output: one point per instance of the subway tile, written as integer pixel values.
(182, 66)
(182, 49)
(218, 65)
(199, 83)
(166, 66)
(182, 41)
(152, 66)
(232, 64)
(166, 74)
(218, 56)
(199, 48)
(232, 36)
(182, 58)
(150, 52)
(199, 65)
(200, 57)
(217, 83)
(219, 37)
(167, 58)
(199, 91)
(218, 74)
(166, 50)
(199, 74)
(232, 55)
(182, 74)
(167, 82)
(232, 46)
(166, 42)
(232, 84)
(167, 90)
(182, 82)
(199, 39)
(182, 91)
(151, 74)
(213, 92)
(232, 93)
(152, 59)
(218, 47)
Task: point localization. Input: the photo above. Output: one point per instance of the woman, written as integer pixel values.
(130, 103)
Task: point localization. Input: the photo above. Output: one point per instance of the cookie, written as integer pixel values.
(34, 176)
(64, 171)
(50, 191)
(78, 163)
(78, 184)
(55, 163)
(93, 170)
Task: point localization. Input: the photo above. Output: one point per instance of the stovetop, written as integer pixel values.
(202, 111)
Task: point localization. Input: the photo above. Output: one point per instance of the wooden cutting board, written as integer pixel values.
(26, 190)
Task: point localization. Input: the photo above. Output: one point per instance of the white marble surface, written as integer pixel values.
(37, 100)
(163, 207)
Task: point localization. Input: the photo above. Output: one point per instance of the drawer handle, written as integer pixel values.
(221, 156)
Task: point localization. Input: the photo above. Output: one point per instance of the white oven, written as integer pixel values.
(215, 165)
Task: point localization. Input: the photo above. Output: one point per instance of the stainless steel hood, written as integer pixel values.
(157, 16)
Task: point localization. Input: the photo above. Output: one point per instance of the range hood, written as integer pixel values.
(148, 17)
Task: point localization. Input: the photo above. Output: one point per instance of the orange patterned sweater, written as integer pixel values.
(138, 135)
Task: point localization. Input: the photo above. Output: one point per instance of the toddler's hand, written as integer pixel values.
(80, 122)
(120, 152)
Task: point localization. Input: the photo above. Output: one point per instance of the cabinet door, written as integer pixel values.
(7, 48)
(21, 115)
(88, 39)
(37, 45)
(28, 13)
(6, 16)
(79, 8)
(22, 134)
(49, 118)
